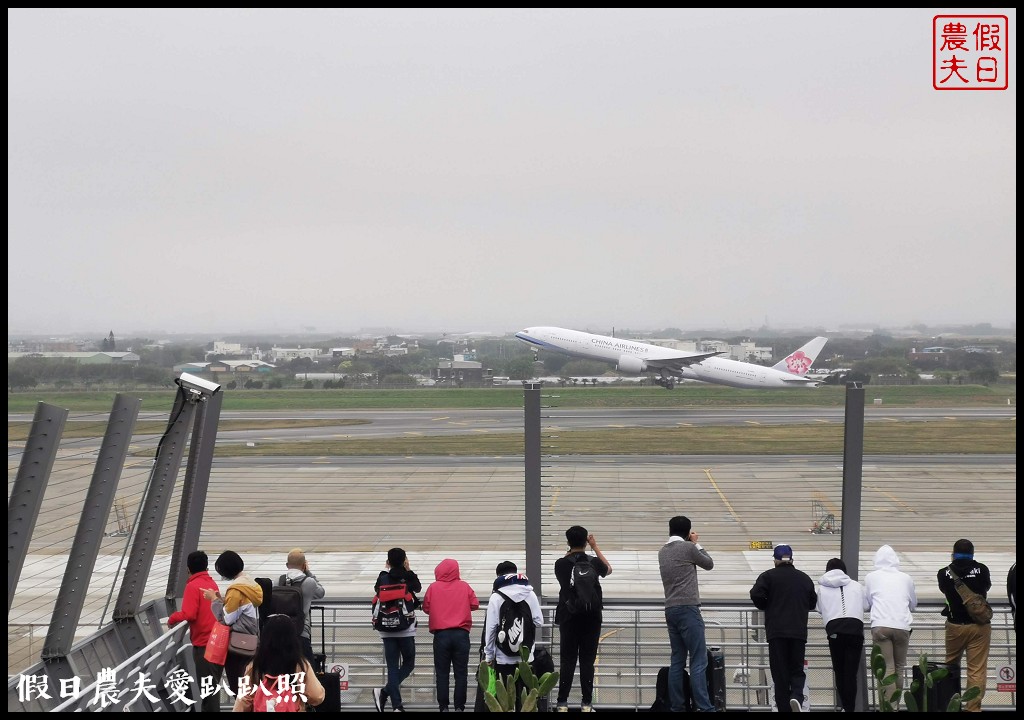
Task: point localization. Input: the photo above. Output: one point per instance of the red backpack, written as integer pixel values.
(276, 694)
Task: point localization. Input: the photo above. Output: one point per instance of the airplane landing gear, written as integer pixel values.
(666, 382)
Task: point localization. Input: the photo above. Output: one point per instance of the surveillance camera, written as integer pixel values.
(197, 385)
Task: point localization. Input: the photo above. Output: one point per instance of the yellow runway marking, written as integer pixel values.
(441, 418)
(751, 422)
(410, 432)
(821, 420)
(721, 495)
(554, 500)
(480, 430)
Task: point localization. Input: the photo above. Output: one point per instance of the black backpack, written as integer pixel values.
(584, 588)
(287, 600)
(515, 625)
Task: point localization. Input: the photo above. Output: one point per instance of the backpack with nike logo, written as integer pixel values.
(515, 625)
(584, 589)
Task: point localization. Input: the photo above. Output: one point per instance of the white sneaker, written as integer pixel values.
(586, 707)
(562, 707)
(795, 705)
(377, 702)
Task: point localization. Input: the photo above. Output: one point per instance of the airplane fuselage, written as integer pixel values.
(591, 347)
(638, 357)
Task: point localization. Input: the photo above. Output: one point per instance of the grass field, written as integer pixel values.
(943, 436)
(946, 436)
(685, 395)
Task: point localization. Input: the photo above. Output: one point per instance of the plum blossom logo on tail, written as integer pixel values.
(799, 363)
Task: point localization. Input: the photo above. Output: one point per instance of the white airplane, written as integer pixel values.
(672, 365)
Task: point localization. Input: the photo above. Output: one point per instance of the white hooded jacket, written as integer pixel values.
(890, 592)
(839, 597)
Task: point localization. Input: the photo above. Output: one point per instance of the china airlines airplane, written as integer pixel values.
(670, 365)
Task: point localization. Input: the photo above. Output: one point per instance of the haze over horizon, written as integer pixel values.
(279, 171)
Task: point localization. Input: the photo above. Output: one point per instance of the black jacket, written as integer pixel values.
(1011, 592)
(975, 576)
(786, 595)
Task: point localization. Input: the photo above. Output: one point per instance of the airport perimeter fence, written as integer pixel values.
(634, 646)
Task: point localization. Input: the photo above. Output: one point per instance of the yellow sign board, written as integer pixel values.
(761, 545)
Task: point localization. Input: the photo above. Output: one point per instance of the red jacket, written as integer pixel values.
(195, 609)
(449, 601)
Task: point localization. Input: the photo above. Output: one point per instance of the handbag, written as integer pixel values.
(976, 605)
(243, 644)
(217, 646)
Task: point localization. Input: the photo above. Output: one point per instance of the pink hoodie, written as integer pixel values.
(449, 601)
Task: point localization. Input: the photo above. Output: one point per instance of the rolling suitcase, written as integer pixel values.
(330, 680)
(941, 692)
(715, 677)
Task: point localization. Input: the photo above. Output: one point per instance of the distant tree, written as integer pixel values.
(18, 380)
(328, 384)
(308, 385)
(396, 380)
(579, 368)
(519, 368)
(231, 385)
(275, 384)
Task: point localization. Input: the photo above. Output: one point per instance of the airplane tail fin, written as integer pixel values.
(800, 361)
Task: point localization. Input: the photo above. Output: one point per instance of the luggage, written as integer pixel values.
(941, 692)
(662, 702)
(330, 681)
(264, 611)
(715, 679)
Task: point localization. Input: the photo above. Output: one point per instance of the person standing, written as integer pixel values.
(197, 611)
(678, 561)
(505, 567)
(964, 635)
(299, 574)
(786, 595)
(841, 604)
(1011, 592)
(891, 596)
(399, 647)
(512, 587)
(237, 609)
(579, 631)
(449, 602)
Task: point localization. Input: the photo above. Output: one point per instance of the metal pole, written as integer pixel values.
(27, 494)
(193, 494)
(67, 611)
(531, 429)
(853, 466)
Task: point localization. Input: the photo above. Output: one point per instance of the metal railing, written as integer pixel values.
(633, 647)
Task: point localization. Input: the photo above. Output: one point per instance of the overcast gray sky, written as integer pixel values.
(460, 170)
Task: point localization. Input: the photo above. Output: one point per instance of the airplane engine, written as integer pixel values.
(630, 364)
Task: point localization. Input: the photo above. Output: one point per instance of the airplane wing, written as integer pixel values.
(798, 380)
(679, 362)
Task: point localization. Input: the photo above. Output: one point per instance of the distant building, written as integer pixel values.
(343, 352)
(83, 358)
(282, 355)
(461, 373)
